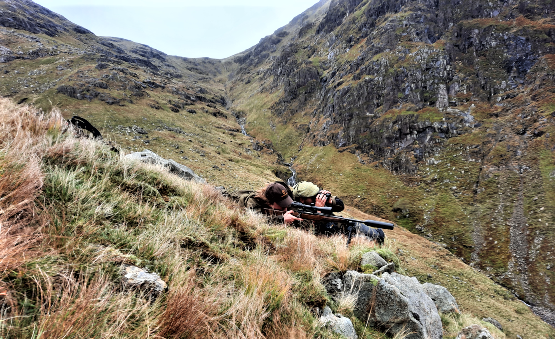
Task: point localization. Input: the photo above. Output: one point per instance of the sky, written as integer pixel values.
(187, 28)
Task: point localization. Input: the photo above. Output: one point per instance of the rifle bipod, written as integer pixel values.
(350, 229)
(375, 234)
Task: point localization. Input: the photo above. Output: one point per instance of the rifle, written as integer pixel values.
(315, 213)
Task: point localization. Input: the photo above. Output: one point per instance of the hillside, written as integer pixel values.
(437, 115)
(74, 213)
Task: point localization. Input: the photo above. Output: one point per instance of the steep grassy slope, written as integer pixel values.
(436, 114)
(73, 212)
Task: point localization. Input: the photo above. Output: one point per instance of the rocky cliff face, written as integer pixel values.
(454, 97)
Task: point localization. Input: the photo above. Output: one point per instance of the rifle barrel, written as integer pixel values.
(298, 206)
(381, 224)
(324, 213)
(372, 223)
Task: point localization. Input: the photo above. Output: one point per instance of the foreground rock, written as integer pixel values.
(172, 166)
(372, 259)
(394, 303)
(135, 278)
(443, 299)
(338, 324)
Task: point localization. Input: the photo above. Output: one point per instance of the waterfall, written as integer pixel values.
(241, 122)
(292, 181)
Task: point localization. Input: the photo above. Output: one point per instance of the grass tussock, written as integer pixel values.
(189, 312)
(454, 323)
(91, 309)
(24, 135)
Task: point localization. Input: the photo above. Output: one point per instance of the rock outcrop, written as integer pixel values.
(339, 324)
(172, 166)
(394, 302)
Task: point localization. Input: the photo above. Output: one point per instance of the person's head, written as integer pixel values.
(278, 196)
(305, 192)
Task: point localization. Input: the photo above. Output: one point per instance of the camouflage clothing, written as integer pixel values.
(252, 200)
(306, 189)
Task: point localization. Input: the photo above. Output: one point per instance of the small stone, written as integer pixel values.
(372, 258)
(493, 322)
(134, 277)
(474, 332)
(338, 323)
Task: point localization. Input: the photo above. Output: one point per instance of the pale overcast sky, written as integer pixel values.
(205, 28)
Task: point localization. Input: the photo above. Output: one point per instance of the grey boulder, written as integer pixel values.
(493, 322)
(373, 259)
(443, 299)
(395, 303)
(338, 323)
(172, 166)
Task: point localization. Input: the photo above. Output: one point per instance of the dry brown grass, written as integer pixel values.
(245, 317)
(78, 308)
(543, 24)
(23, 139)
(340, 258)
(550, 58)
(268, 280)
(189, 312)
(300, 251)
(244, 304)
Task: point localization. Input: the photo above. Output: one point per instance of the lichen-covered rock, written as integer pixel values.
(150, 157)
(395, 303)
(338, 323)
(136, 278)
(443, 299)
(333, 283)
(372, 258)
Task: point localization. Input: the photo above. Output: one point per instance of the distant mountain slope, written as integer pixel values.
(134, 94)
(439, 114)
